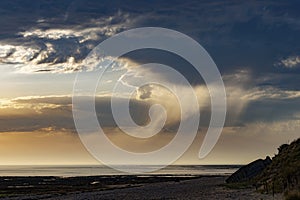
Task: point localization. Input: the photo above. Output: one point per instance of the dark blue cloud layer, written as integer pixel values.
(253, 36)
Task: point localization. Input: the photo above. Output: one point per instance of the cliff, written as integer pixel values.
(281, 174)
(249, 171)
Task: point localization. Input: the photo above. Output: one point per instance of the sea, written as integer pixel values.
(101, 170)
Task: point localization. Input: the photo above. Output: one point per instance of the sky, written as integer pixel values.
(44, 44)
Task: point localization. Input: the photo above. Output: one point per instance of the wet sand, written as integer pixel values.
(131, 187)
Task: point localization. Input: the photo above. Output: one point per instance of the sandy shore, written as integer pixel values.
(143, 188)
(203, 188)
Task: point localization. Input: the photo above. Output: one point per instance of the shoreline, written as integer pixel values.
(18, 186)
(101, 170)
(124, 187)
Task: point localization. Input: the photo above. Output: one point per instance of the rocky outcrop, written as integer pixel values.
(283, 174)
(249, 171)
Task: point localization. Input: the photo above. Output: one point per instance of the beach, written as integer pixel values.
(125, 187)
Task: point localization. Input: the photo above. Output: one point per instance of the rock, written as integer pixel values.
(249, 171)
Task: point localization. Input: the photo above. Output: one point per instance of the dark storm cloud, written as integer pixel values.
(259, 37)
(271, 110)
(251, 35)
(36, 113)
(53, 32)
(261, 104)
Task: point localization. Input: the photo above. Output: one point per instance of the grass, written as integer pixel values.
(293, 195)
(242, 185)
(282, 175)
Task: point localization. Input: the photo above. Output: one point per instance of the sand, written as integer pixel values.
(197, 188)
(203, 188)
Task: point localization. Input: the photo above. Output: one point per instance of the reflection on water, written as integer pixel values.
(94, 170)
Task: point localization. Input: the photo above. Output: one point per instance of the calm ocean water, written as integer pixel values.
(69, 171)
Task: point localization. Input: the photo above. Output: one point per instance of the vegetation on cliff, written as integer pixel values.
(283, 174)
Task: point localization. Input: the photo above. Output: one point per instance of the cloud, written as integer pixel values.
(269, 93)
(244, 92)
(17, 54)
(27, 59)
(39, 112)
(51, 58)
(34, 113)
(251, 99)
(244, 40)
(290, 62)
(247, 101)
(85, 25)
(99, 32)
(61, 48)
(73, 28)
(260, 99)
